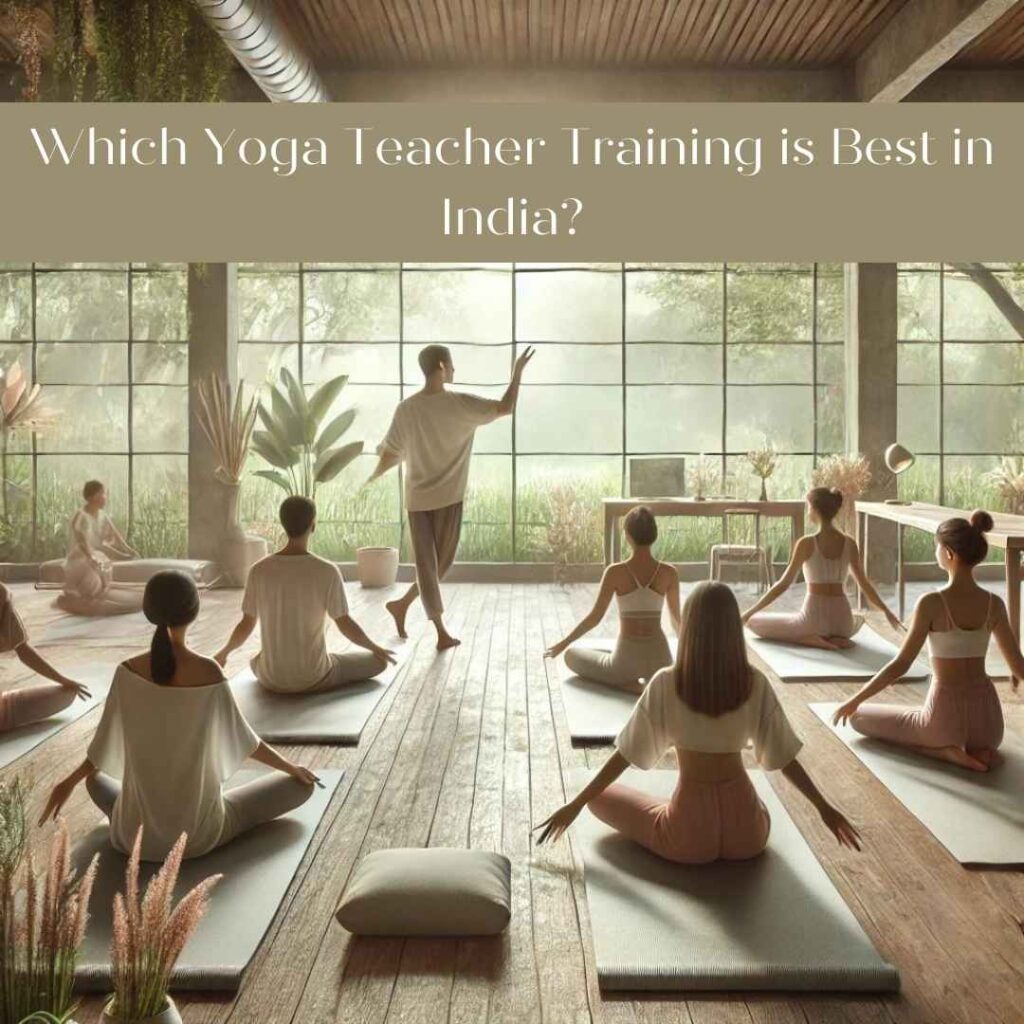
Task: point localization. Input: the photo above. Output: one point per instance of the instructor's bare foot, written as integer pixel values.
(397, 610)
(822, 643)
(959, 756)
(445, 640)
(842, 643)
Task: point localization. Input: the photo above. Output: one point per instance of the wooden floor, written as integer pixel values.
(469, 749)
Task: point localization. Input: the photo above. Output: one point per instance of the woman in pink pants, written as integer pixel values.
(826, 558)
(707, 706)
(961, 720)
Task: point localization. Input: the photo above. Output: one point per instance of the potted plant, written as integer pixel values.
(42, 918)
(850, 475)
(701, 474)
(149, 935)
(763, 462)
(228, 422)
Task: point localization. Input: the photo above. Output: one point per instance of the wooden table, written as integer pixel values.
(615, 508)
(1007, 533)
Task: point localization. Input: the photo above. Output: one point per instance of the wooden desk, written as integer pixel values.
(616, 508)
(1007, 533)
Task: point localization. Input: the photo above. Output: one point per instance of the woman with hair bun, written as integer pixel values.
(826, 557)
(961, 719)
(641, 586)
(171, 735)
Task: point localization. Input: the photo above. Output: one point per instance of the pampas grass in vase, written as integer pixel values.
(149, 935)
(850, 475)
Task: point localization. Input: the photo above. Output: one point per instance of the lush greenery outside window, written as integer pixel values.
(960, 382)
(108, 344)
(634, 361)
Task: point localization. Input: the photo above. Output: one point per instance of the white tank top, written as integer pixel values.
(643, 602)
(819, 569)
(960, 643)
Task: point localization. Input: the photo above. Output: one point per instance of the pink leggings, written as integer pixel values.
(29, 704)
(821, 615)
(703, 821)
(961, 713)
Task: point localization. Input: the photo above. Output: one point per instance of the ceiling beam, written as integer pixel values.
(919, 40)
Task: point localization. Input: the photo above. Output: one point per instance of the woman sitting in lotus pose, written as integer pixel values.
(826, 557)
(641, 586)
(707, 706)
(171, 735)
(961, 720)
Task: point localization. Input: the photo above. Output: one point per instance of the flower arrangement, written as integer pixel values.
(149, 934)
(763, 462)
(702, 475)
(42, 919)
(1007, 479)
(850, 475)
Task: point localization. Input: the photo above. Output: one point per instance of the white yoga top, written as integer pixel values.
(960, 643)
(819, 569)
(172, 747)
(661, 720)
(642, 602)
(433, 435)
(98, 531)
(292, 596)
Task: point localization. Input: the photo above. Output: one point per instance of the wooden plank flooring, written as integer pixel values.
(471, 748)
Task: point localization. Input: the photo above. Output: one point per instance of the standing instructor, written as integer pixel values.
(432, 433)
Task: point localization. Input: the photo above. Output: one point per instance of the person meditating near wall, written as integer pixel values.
(432, 433)
(33, 703)
(641, 586)
(93, 542)
(961, 720)
(171, 734)
(707, 706)
(292, 593)
(826, 557)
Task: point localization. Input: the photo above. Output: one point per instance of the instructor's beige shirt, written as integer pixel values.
(292, 596)
(433, 435)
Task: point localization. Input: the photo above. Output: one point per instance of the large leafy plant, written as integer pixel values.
(297, 442)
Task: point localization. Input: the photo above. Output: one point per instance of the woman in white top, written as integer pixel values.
(708, 706)
(961, 720)
(170, 736)
(93, 541)
(826, 557)
(641, 586)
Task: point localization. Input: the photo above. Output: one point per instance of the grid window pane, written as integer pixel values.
(674, 306)
(673, 364)
(783, 415)
(669, 418)
(458, 305)
(569, 305)
(351, 306)
(81, 306)
(765, 306)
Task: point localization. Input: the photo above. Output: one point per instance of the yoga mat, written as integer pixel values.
(97, 630)
(15, 743)
(334, 716)
(775, 922)
(595, 713)
(977, 816)
(793, 663)
(258, 868)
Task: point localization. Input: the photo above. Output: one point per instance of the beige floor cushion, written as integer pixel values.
(428, 892)
(139, 570)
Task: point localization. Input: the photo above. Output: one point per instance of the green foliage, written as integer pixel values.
(295, 440)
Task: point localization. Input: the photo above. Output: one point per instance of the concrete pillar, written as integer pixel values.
(213, 348)
(871, 355)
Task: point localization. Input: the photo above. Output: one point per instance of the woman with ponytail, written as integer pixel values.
(961, 720)
(171, 735)
(826, 557)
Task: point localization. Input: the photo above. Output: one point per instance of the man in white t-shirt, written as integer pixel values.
(292, 593)
(432, 433)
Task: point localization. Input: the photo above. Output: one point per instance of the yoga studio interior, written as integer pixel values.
(604, 643)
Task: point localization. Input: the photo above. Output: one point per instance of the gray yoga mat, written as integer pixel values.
(793, 663)
(334, 716)
(594, 713)
(977, 816)
(15, 743)
(775, 922)
(97, 630)
(258, 868)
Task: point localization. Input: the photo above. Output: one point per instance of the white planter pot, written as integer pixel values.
(239, 554)
(169, 1015)
(377, 567)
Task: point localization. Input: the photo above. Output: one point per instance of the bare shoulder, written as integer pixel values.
(201, 670)
(804, 546)
(668, 572)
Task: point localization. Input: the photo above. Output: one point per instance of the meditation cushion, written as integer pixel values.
(428, 892)
(138, 570)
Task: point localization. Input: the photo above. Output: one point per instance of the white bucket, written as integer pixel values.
(377, 567)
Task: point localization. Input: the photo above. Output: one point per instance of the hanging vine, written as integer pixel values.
(70, 48)
(28, 41)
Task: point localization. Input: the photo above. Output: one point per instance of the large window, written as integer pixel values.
(634, 361)
(107, 343)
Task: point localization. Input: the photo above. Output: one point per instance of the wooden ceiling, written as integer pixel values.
(586, 33)
(1001, 46)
